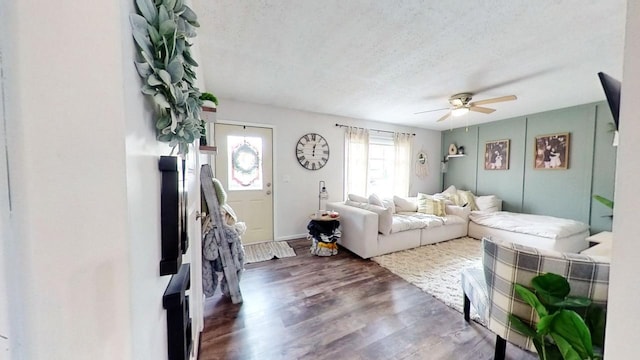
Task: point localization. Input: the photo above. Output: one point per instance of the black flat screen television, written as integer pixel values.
(611, 88)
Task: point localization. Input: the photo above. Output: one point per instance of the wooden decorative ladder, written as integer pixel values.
(228, 265)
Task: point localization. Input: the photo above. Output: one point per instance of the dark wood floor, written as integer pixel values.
(339, 307)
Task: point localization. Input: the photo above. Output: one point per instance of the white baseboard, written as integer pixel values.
(292, 237)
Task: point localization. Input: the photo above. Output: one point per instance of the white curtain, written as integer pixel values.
(402, 143)
(356, 161)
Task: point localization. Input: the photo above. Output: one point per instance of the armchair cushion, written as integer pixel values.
(475, 288)
(506, 264)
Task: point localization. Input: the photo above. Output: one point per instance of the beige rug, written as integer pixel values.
(436, 268)
(267, 251)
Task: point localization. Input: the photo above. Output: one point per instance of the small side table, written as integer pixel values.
(324, 233)
(604, 241)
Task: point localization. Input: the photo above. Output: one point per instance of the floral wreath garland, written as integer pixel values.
(239, 165)
(161, 30)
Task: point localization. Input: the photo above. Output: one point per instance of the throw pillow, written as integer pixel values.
(450, 198)
(427, 204)
(451, 190)
(490, 203)
(385, 217)
(467, 197)
(388, 203)
(222, 195)
(404, 204)
(357, 198)
(375, 200)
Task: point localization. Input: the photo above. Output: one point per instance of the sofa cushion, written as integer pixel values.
(411, 220)
(357, 198)
(489, 203)
(405, 204)
(430, 205)
(462, 212)
(385, 217)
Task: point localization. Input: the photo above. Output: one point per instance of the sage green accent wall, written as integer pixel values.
(461, 170)
(508, 183)
(604, 168)
(562, 193)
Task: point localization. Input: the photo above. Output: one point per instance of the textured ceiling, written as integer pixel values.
(386, 60)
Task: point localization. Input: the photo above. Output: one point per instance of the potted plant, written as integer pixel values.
(209, 102)
(208, 114)
(569, 327)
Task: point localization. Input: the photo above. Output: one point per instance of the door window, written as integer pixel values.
(245, 163)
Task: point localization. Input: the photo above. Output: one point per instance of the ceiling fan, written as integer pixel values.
(461, 104)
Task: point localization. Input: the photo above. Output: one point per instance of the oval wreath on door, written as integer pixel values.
(246, 163)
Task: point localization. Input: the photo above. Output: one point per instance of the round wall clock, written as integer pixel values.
(312, 151)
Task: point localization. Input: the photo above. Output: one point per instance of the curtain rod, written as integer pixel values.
(384, 131)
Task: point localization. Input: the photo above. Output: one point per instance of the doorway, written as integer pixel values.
(244, 166)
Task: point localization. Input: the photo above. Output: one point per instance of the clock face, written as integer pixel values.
(312, 151)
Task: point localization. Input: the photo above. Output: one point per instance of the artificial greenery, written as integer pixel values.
(161, 29)
(604, 201)
(209, 96)
(561, 332)
(203, 134)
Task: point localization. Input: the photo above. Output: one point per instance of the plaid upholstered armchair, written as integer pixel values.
(491, 292)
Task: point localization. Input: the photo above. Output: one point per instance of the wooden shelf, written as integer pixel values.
(208, 149)
(209, 114)
(456, 155)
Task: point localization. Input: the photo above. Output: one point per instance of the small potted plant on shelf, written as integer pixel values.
(208, 114)
(209, 105)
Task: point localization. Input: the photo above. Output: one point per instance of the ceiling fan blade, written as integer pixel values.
(494, 100)
(483, 110)
(444, 117)
(422, 112)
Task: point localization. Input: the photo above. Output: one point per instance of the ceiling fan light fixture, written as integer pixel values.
(459, 111)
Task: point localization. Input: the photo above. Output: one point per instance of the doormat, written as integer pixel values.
(267, 251)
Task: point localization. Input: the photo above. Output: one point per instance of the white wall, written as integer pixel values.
(297, 197)
(83, 240)
(143, 180)
(622, 337)
(68, 187)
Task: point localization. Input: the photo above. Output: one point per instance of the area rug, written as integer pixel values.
(436, 268)
(267, 251)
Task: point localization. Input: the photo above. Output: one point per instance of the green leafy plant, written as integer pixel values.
(161, 30)
(561, 332)
(209, 96)
(604, 201)
(204, 97)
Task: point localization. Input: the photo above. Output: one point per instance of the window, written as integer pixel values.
(381, 166)
(378, 163)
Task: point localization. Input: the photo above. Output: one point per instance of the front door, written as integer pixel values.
(244, 166)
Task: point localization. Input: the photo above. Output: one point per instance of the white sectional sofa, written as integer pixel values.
(364, 234)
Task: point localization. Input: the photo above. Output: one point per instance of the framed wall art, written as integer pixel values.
(496, 155)
(552, 151)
